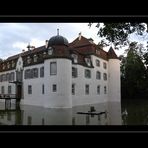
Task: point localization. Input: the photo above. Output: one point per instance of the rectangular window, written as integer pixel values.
(87, 73)
(105, 76)
(98, 63)
(73, 89)
(9, 89)
(7, 77)
(3, 77)
(27, 73)
(105, 90)
(98, 89)
(53, 68)
(2, 90)
(29, 89)
(43, 89)
(54, 87)
(98, 75)
(42, 72)
(74, 72)
(86, 89)
(104, 65)
(35, 72)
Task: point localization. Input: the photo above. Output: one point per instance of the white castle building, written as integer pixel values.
(62, 74)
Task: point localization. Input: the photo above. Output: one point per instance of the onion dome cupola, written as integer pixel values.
(57, 40)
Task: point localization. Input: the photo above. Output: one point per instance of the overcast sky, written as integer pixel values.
(15, 36)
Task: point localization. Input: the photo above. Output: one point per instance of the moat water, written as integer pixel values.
(125, 113)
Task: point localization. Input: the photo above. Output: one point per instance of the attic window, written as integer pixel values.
(13, 64)
(8, 65)
(28, 60)
(75, 58)
(35, 58)
(50, 51)
(87, 60)
(4, 66)
(44, 54)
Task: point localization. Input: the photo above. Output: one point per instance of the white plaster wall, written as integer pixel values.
(80, 98)
(114, 80)
(61, 98)
(6, 84)
(36, 98)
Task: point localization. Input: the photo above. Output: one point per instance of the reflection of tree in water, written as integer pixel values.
(137, 112)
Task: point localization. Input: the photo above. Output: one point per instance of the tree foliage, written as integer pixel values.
(134, 73)
(118, 33)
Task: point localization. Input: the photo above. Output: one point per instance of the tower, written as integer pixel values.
(114, 83)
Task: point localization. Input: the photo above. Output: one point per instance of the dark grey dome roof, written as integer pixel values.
(57, 40)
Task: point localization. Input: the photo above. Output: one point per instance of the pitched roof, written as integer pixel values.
(77, 43)
(111, 54)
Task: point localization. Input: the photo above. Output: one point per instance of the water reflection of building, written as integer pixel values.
(30, 115)
(114, 116)
(62, 74)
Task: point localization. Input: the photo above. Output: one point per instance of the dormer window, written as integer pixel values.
(28, 60)
(50, 51)
(88, 62)
(35, 58)
(13, 64)
(8, 65)
(4, 66)
(75, 58)
(44, 53)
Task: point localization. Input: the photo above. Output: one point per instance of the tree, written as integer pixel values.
(133, 73)
(118, 33)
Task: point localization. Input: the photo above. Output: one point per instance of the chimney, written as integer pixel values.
(79, 36)
(46, 43)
